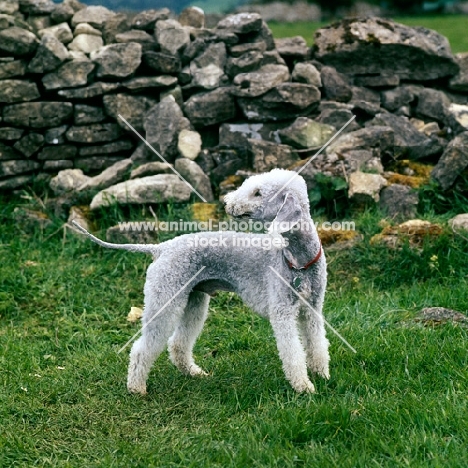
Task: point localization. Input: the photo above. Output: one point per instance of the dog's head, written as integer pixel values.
(278, 197)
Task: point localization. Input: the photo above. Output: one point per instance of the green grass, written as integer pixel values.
(400, 401)
(451, 26)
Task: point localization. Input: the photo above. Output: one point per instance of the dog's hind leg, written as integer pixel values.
(152, 342)
(190, 326)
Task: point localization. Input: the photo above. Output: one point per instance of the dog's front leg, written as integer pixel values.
(290, 349)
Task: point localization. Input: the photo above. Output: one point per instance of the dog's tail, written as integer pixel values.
(142, 248)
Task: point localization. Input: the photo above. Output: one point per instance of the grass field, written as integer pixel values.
(400, 401)
(451, 26)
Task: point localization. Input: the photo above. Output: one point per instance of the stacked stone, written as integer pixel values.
(80, 85)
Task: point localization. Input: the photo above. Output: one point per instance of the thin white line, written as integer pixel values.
(156, 152)
(160, 310)
(312, 158)
(313, 310)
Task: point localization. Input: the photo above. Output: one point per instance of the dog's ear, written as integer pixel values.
(288, 215)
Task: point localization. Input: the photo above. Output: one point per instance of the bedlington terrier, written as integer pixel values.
(266, 270)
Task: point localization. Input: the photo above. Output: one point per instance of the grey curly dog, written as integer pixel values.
(264, 269)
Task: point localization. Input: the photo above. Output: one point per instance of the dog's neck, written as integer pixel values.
(303, 243)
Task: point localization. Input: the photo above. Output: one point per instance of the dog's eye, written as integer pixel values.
(257, 193)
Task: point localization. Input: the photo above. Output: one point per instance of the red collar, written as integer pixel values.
(308, 264)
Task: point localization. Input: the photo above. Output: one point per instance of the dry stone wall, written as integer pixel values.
(80, 86)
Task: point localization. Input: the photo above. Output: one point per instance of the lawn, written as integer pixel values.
(451, 26)
(400, 401)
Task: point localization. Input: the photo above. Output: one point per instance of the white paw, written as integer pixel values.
(305, 386)
(137, 390)
(196, 371)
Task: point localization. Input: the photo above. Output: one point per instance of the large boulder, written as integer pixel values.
(376, 46)
(153, 189)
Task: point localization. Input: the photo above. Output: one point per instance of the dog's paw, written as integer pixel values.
(305, 386)
(196, 371)
(137, 390)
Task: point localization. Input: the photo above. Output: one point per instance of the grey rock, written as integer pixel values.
(393, 99)
(399, 202)
(55, 136)
(9, 7)
(117, 60)
(61, 32)
(261, 81)
(151, 168)
(377, 81)
(132, 108)
(247, 62)
(7, 153)
(96, 16)
(57, 165)
(16, 167)
(18, 41)
(57, 152)
(433, 104)
(136, 35)
(85, 28)
(210, 108)
(263, 36)
(292, 48)
(175, 92)
(38, 114)
(285, 101)
(146, 20)
(267, 155)
(189, 144)
(117, 24)
(163, 124)
(335, 85)
(171, 36)
(153, 189)
(95, 164)
(460, 81)
(237, 134)
(37, 7)
(12, 69)
(110, 148)
(306, 73)
(381, 46)
(306, 133)
(86, 43)
(29, 144)
(18, 91)
(208, 68)
(84, 114)
(108, 177)
(64, 11)
(453, 162)
(15, 182)
(338, 117)
(143, 82)
(242, 23)
(193, 17)
(366, 100)
(195, 176)
(96, 89)
(365, 188)
(162, 63)
(70, 75)
(37, 23)
(238, 50)
(49, 55)
(409, 142)
(95, 133)
(10, 133)
(68, 181)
